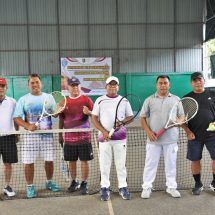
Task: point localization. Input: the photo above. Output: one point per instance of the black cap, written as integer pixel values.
(196, 75)
(73, 81)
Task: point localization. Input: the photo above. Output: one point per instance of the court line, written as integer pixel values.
(110, 208)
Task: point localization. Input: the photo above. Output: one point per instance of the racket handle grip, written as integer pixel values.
(111, 132)
(160, 132)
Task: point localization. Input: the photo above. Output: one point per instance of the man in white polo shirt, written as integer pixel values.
(153, 117)
(8, 149)
(103, 116)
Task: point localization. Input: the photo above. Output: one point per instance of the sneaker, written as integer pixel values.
(8, 191)
(173, 192)
(146, 193)
(212, 186)
(74, 186)
(52, 186)
(84, 188)
(124, 193)
(197, 189)
(105, 194)
(31, 193)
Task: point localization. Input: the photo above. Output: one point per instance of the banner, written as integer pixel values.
(92, 73)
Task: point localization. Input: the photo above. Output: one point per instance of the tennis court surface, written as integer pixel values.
(160, 203)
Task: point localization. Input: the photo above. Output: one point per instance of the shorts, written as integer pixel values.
(72, 152)
(35, 145)
(195, 148)
(8, 149)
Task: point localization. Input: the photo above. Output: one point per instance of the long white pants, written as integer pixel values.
(105, 158)
(153, 152)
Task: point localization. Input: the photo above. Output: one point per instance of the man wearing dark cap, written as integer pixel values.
(197, 132)
(8, 149)
(77, 144)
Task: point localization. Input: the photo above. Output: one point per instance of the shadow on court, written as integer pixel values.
(159, 203)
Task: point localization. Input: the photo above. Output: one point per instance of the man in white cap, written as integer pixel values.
(8, 149)
(103, 116)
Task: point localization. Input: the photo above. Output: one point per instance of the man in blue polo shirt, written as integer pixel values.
(28, 111)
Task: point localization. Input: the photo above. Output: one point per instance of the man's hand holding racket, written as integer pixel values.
(151, 135)
(32, 127)
(106, 135)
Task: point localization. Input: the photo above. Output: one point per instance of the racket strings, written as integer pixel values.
(56, 104)
(135, 103)
(135, 106)
(190, 108)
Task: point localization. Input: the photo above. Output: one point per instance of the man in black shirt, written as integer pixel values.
(197, 133)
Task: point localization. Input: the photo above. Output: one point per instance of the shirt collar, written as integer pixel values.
(5, 98)
(158, 96)
(75, 97)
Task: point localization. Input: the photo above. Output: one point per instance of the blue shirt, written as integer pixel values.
(30, 108)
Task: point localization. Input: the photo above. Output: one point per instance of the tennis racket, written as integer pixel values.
(134, 102)
(53, 104)
(182, 111)
(64, 166)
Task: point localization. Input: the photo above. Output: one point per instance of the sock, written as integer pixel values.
(197, 178)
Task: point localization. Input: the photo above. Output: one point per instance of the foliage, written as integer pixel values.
(210, 47)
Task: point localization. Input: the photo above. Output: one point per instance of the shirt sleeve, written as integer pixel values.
(95, 110)
(19, 109)
(145, 111)
(90, 104)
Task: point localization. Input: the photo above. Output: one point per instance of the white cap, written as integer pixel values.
(112, 78)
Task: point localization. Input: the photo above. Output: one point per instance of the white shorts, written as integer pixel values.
(36, 144)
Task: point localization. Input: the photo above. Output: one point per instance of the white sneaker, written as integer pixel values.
(8, 191)
(146, 193)
(173, 192)
(212, 187)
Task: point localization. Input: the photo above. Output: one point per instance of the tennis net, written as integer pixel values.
(136, 151)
